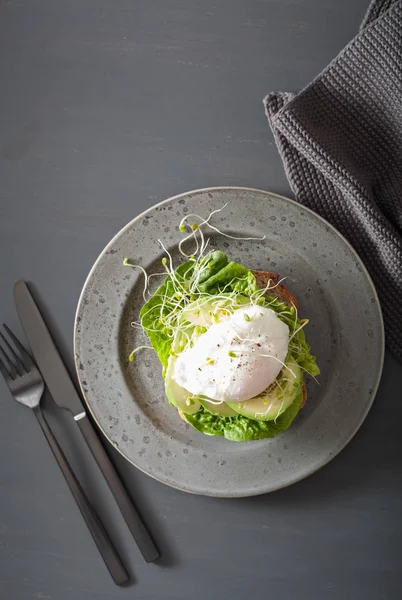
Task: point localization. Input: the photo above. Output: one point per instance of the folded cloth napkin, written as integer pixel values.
(341, 143)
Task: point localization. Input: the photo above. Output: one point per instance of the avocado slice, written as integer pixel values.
(221, 410)
(275, 400)
(177, 395)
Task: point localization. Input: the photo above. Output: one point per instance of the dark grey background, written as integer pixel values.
(107, 107)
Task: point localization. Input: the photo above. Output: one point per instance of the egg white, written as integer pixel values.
(237, 358)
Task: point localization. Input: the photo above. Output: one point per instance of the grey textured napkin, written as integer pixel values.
(341, 143)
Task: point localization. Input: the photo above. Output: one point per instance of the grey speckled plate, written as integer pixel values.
(345, 331)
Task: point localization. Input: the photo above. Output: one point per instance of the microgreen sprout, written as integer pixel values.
(296, 331)
(127, 263)
(207, 223)
(131, 357)
(181, 290)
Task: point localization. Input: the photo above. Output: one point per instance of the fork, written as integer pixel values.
(27, 386)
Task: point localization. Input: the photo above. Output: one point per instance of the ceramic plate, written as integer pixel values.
(346, 333)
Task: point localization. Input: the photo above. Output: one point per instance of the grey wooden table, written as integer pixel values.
(107, 107)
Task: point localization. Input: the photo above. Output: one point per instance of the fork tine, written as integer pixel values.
(4, 371)
(17, 359)
(27, 360)
(13, 373)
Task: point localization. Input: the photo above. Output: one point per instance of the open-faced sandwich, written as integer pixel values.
(232, 347)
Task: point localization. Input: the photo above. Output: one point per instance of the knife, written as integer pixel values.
(65, 395)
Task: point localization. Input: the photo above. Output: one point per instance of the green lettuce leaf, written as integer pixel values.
(298, 345)
(161, 303)
(243, 429)
(304, 357)
(231, 278)
(216, 262)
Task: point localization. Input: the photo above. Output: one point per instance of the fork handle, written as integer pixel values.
(101, 539)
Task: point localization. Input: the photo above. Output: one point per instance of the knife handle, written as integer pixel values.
(123, 500)
(100, 537)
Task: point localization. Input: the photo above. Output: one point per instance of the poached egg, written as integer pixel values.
(236, 358)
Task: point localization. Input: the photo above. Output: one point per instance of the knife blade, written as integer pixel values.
(46, 354)
(65, 395)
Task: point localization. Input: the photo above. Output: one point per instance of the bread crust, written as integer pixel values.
(269, 279)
